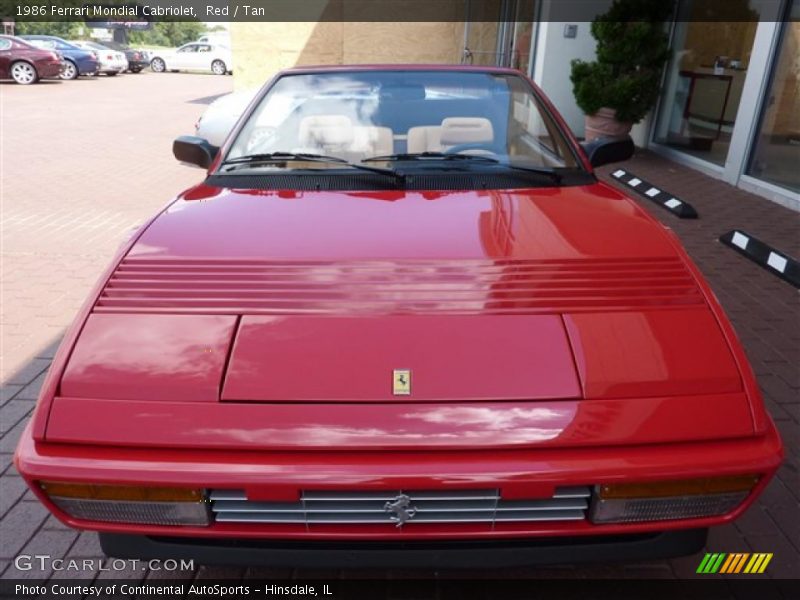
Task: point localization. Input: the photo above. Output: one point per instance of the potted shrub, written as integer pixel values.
(622, 85)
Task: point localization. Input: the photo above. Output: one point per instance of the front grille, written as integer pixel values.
(452, 506)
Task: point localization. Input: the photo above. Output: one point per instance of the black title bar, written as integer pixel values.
(369, 10)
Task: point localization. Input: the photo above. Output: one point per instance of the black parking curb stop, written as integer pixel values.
(676, 206)
(774, 261)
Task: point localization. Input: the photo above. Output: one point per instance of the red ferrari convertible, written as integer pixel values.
(400, 322)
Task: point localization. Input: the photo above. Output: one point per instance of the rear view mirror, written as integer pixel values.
(194, 150)
(605, 150)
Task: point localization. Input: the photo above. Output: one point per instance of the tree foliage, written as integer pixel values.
(161, 33)
(63, 29)
(632, 49)
(168, 33)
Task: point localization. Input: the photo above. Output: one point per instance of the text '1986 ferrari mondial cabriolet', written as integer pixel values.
(400, 322)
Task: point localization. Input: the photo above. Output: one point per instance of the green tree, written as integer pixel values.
(632, 48)
(65, 29)
(168, 33)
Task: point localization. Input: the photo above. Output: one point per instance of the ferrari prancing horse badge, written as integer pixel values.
(401, 382)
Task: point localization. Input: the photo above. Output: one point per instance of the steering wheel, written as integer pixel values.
(258, 137)
(487, 147)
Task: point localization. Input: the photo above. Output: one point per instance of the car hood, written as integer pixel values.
(570, 223)
(493, 300)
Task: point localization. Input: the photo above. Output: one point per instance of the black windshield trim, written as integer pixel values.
(344, 180)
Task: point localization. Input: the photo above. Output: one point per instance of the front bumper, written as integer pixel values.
(411, 555)
(518, 474)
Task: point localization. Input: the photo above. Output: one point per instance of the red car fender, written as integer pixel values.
(760, 417)
(52, 380)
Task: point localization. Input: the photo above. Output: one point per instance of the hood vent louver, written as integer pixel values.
(453, 286)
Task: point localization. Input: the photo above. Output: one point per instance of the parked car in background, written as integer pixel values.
(25, 63)
(219, 118)
(77, 61)
(138, 59)
(409, 325)
(111, 61)
(194, 57)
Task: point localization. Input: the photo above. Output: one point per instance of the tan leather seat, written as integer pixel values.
(452, 132)
(326, 132)
(372, 141)
(424, 139)
(336, 134)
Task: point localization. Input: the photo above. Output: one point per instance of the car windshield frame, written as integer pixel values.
(563, 142)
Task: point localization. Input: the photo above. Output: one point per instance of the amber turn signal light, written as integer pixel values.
(148, 505)
(128, 493)
(683, 487)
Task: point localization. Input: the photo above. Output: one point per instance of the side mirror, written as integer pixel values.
(194, 150)
(605, 150)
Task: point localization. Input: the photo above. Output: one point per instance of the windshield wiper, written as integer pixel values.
(545, 171)
(430, 155)
(276, 157)
(266, 157)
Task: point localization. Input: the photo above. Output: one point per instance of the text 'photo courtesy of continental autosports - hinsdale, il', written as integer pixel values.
(400, 322)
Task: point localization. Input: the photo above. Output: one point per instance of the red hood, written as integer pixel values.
(590, 222)
(522, 296)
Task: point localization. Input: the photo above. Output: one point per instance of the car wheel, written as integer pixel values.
(70, 70)
(112, 73)
(218, 67)
(24, 73)
(158, 65)
(136, 70)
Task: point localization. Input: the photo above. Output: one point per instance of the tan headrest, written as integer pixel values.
(466, 130)
(326, 130)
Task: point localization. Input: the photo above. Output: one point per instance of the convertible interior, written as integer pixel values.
(364, 120)
(336, 134)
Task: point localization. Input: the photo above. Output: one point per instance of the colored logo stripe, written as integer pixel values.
(735, 562)
(722, 562)
(759, 562)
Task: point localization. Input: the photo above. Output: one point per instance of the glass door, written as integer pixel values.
(705, 81)
(775, 155)
(481, 43)
(506, 41)
(521, 37)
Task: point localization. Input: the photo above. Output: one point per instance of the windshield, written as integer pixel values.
(357, 116)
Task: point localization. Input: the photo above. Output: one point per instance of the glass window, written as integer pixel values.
(704, 82)
(775, 157)
(47, 44)
(359, 115)
(4, 44)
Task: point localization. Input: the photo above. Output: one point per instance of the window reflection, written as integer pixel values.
(705, 80)
(776, 152)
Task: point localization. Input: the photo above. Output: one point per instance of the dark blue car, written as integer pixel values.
(77, 61)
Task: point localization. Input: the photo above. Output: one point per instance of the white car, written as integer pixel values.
(219, 118)
(111, 62)
(194, 56)
(223, 38)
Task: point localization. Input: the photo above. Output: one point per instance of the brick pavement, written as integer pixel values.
(107, 155)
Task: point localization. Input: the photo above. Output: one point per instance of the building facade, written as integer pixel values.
(729, 104)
